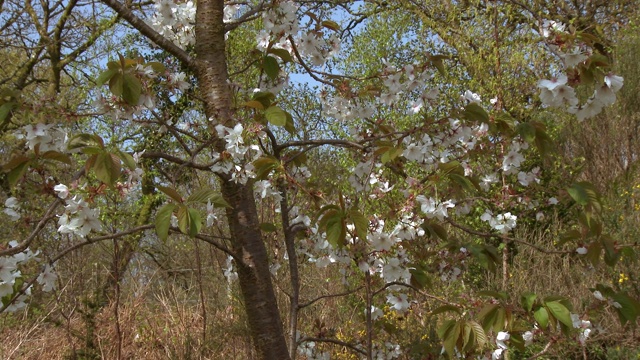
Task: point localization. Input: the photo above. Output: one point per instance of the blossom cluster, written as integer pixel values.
(238, 157)
(117, 108)
(175, 22)
(12, 208)
(557, 92)
(79, 218)
(281, 24)
(10, 272)
(503, 223)
(45, 137)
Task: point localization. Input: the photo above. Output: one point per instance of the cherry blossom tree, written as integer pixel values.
(429, 181)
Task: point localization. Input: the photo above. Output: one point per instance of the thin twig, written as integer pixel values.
(311, 302)
(333, 341)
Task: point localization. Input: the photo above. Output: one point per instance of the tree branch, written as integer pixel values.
(176, 160)
(320, 142)
(150, 33)
(503, 237)
(333, 341)
(308, 303)
(23, 245)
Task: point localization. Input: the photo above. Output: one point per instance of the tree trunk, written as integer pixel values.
(253, 272)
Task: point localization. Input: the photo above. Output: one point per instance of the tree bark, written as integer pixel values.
(253, 272)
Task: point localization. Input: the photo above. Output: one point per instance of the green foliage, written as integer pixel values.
(189, 219)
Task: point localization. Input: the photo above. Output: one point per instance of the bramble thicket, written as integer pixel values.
(407, 179)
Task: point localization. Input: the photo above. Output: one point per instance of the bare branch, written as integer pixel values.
(504, 237)
(396, 283)
(320, 142)
(41, 224)
(177, 160)
(92, 240)
(308, 303)
(333, 341)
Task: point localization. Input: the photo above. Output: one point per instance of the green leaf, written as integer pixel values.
(271, 67)
(157, 67)
(17, 172)
(360, 222)
(559, 312)
(264, 165)
(481, 336)
(494, 294)
(113, 65)
(543, 141)
(15, 162)
(116, 84)
(131, 89)
(255, 104)
(435, 230)
(570, 235)
(464, 182)
(446, 308)
(593, 252)
(504, 124)
(84, 140)
(282, 54)
(436, 61)
(527, 299)
(184, 222)
(475, 112)
(611, 255)
(445, 327)
(127, 159)
(419, 277)
(264, 97)
(107, 168)
(57, 156)
(332, 25)
(579, 194)
(468, 338)
(595, 228)
(452, 167)
(391, 154)
(488, 316)
(336, 231)
(450, 335)
(486, 255)
(542, 317)
(329, 214)
(172, 193)
(499, 322)
(92, 150)
(585, 194)
(201, 196)
(195, 222)
(629, 308)
(290, 125)
(5, 110)
(560, 299)
(219, 202)
(517, 341)
(527, 132)
(163, 220)
(88, 165)
(106, 76)
(599, 60)
(276, 116)
(268, 227)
